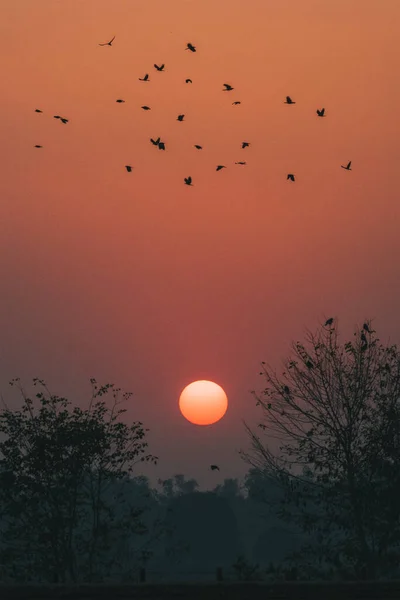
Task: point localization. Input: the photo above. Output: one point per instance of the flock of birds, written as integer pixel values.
(161, 145)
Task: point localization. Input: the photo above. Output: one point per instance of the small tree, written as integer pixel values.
(57, 469)
(336, 411)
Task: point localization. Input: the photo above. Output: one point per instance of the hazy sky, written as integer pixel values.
(137, 279)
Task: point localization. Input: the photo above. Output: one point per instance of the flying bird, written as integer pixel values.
(161, 68)
(188, 180)
(289, 100)
(161, 146)
(120, 100)
(290, 176)
(37, 146)
(328, 322)
(180, 117)
(146, 107)
(241, 162)
(108, 43)
(38, 110)
(61, 118)
(245, 145)
(190, 47)
(220, 167)
(128, 168)
(347, 167)
(214, 467)
(321, 113)
(228, 88)
(236, 103)
(198, 147)
(145, 78)
(155, 142)
(188, 81)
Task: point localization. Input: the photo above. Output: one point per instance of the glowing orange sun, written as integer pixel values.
(203, 402)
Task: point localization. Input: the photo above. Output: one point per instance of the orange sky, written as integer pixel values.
(140, 280)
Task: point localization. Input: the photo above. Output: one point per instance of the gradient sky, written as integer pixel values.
(142, 281)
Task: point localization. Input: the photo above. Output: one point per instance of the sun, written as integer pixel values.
(203, 402)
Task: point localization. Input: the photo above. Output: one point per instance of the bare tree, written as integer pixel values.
(336, 412)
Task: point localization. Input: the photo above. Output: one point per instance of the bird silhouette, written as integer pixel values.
(290, 176)
(155, 142)
(161, 146)
(61, 119)
(120, 100)
(108, 43)
(289, 100)
(145, 78)
(198, 147)
(188, 180)
(220, 167)
(180, 117)
(159, 68)
(38, 110)
(228, 88)
(347, 167)
(245, 145)
(128, 168)
(363, 338)
(321, 113)
(214, 467)
(188, 81)
(236, 103)
(146, 107)
(367, 329)
(190, 47)
(37, 146)
(328, 322)
(240, 162)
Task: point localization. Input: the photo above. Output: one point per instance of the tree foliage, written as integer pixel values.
(58, 492)
(336, 412)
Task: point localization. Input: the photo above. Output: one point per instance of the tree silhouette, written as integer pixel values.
(57, 470)
(336, 410)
